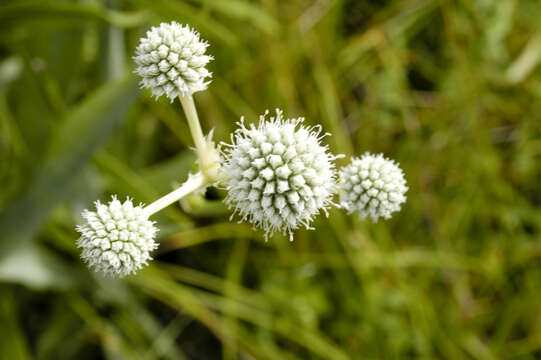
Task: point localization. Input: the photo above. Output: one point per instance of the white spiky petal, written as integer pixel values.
(373, 186)
(117, 238)
(278, 174)
(171, 60)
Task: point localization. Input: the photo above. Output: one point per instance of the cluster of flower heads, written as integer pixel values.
(171, 60)
(278, 174)
(117, 238)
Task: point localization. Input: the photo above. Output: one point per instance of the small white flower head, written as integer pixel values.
(117, 238)
(278, 175)
(171, 60)
(373, 186)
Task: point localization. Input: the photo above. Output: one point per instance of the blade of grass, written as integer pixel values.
(82, 133)
(165, 289)
(13, 344)
(204, 234)
(17, 13)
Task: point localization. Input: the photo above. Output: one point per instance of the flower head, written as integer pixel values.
(278, 174)
(171, 60)
(372, 185)
(117, 238)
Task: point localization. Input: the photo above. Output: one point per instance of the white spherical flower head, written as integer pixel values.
(117, 238)
(278, 174)
(373, 186)
(171, 60)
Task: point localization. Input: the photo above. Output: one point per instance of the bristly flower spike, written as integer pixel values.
(278, 175)
(117, 238)
(171, 60)
(373, 186)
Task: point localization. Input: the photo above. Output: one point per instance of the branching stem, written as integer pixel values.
(193, 183)
(209, 161)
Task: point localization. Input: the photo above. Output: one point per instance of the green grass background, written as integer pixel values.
(450, 89)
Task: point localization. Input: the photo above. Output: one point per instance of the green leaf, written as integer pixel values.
(82, 133)
(13, 344)
(35, 267)
(18, 13)
(10, 70)
(168, 10)
(241, 10)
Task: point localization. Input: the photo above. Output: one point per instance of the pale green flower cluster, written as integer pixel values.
(279, 174)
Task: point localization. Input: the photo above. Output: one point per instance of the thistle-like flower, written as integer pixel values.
(117, 238)
(278, 174)
(171, 60)
(373, 186)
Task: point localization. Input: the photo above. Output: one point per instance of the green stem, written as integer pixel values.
(193, 183)
(209, 161)
(195, 127)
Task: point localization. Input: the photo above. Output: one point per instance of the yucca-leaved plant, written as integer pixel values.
(279, 174)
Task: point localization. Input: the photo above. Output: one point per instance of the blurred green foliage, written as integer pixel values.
(450, 89)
